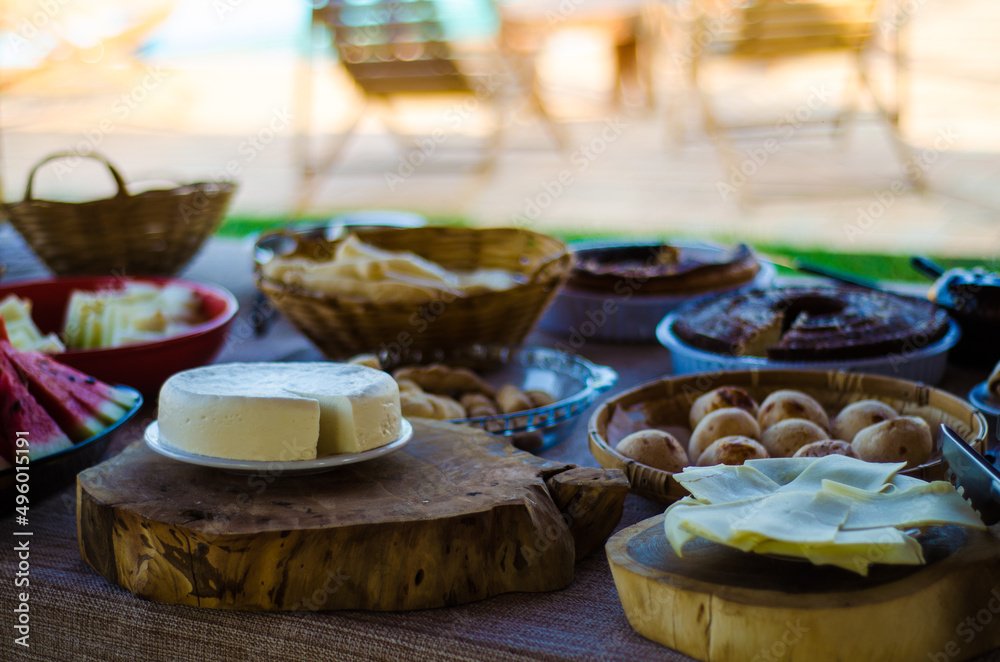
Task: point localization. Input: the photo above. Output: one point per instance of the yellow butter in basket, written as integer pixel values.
(360, 271)
(833, 510)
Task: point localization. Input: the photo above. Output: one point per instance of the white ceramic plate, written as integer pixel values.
(983, 400)
(320, 464)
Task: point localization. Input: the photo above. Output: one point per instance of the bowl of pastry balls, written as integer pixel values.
(657, 429)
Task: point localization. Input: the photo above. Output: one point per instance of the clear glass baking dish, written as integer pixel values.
(572, 380)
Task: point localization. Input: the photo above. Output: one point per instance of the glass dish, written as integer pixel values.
(574, 381)
(925, 365)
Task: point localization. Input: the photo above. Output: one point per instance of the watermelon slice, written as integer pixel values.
(76, 420)
(19, 412)
(55, 393)
(78, 381)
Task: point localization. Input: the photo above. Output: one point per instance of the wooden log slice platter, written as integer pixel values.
(456, 515)
(722, 605)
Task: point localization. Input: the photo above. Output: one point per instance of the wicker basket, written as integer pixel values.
(667, 401)
(342, 327)
(154, 233)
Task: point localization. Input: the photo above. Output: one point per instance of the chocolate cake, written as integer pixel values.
(662, 269)
(810, 324)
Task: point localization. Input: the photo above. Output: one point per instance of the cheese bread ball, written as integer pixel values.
(902, 439)
(718, 424)
(654, 448)
(732, 450)
(826, 447)
(721, 398)
(785, 437)
(791, 404)
(858, 415)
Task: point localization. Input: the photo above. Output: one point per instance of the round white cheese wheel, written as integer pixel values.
(279, 412)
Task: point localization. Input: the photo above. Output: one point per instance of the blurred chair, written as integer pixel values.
(395, 49)
(774, 30)
(526, 26)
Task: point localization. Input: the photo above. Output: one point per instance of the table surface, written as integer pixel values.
(77, 615)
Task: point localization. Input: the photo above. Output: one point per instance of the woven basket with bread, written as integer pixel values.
(414, 288)
(153, 233)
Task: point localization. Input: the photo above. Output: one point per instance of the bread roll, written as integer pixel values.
(414, 404)
(791, 404)
(826, 447)
(367, 360)
(785, 437)
(540, 398)
(721, 423)
(858, 415)
(903, 439)
(408, 385)
(445, 408)
(722, 398)
(732, 450)
(511, 399)
(654, 448)
(478, 405)
(444, 380)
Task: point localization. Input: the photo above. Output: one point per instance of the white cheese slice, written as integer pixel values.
(689, 519)
(723, 483)
(801, 517)
(922, 505)
(279, 412)
(853, 550)
(781, 470)
(842, 469)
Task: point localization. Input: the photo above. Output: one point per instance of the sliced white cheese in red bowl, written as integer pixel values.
(279, 412)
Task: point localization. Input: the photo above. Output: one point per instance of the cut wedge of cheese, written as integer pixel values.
(279, 412)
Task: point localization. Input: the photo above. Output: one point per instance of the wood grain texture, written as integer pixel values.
(722, 605)
(455, 516)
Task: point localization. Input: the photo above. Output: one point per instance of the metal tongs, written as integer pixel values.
(979, 480)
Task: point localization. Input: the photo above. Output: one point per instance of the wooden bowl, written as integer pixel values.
(666, 402)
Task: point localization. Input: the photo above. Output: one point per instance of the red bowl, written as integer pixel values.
(143, 366)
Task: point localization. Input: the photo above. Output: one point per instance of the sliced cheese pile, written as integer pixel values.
(833, 510)
(279, 412)
(139, 312)
(362, 271)
(21, 329)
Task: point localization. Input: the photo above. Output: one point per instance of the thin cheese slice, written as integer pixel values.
(922, 505)
(853, 550)
(723, 483)
(842, 469)
(781, 470)
(689, 519)
(800, 517)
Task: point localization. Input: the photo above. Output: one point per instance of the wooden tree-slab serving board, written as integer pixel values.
(454, 516)
(722, 605)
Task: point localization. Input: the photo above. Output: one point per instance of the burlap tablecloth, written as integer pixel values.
(77, 615)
